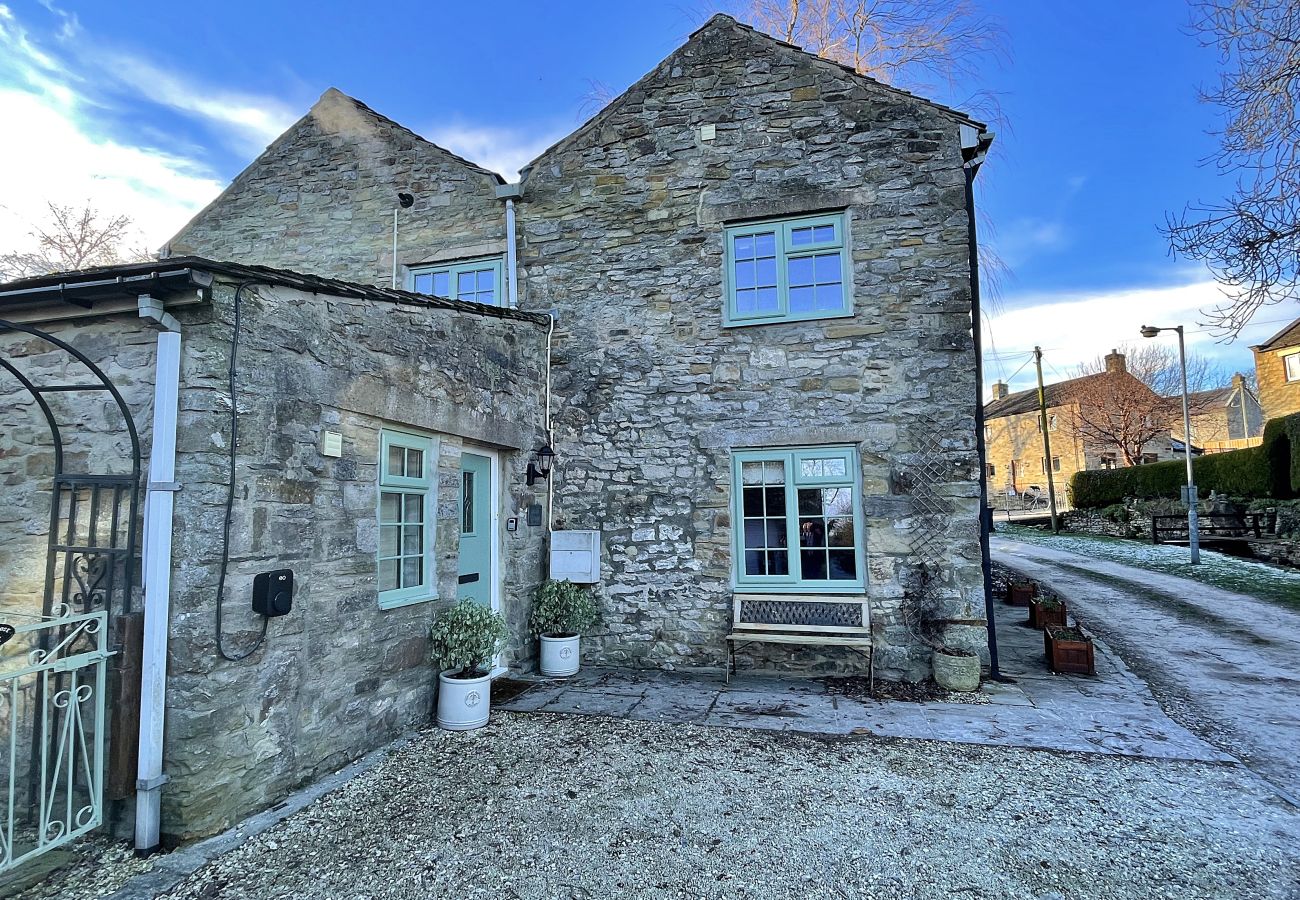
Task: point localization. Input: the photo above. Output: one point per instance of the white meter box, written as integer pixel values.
(575, 555)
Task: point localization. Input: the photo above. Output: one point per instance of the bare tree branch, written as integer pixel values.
(1251, 240)
(71, 238)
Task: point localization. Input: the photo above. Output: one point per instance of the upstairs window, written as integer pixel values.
(787, 270)
(406, 480)
(473, 281)
(1292, 363)
(797, 519)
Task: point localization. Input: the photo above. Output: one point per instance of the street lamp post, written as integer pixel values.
(1193, 528)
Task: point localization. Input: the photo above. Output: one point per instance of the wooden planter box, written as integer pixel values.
(1019, 594)
(1041, 616)
(1068, 650)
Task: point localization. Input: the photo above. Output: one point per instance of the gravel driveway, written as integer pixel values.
(588, 807)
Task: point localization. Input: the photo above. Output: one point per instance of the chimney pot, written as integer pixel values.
(1115, 362)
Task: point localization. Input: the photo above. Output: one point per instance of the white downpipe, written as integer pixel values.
(157, 565)
(512, 263)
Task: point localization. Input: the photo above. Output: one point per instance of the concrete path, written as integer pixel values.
(1112, 713)
(1224, 664)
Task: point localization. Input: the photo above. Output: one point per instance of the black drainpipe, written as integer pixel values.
(986, 514)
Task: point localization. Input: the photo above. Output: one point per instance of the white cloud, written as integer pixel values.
(1076, 328)
(502, 150)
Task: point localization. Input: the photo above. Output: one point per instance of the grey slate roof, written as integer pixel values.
(1021, 402)
(1287, 337)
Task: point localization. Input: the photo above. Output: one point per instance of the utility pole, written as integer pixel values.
(1047, 440)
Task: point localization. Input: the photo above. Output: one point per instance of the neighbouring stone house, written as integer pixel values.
(1013, 434)
(1277, 372)
(1226, 418)
(737, 303)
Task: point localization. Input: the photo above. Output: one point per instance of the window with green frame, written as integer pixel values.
(798, 522)
(406, 500)
(472, 281)
(787, 270)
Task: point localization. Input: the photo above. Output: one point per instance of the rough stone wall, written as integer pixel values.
(321, 200)
(1277, 396)
(622, 232)
(338, 676)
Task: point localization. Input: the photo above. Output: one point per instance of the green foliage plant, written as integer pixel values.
(563, 609)
(465, 637)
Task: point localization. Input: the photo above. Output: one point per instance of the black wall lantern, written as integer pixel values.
(539, 467)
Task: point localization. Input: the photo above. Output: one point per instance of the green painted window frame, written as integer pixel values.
(454, 269)
(423, 485)
(795, 479)
(787, 250)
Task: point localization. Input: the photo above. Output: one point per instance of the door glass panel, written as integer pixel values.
(467, 503)
(390, 507)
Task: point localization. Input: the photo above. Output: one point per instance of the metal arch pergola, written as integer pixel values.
(53, 680)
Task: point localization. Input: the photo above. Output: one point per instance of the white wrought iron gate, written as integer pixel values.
(52, 683)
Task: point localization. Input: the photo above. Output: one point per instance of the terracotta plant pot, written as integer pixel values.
(1019, 593)
(1043, 614)
(463, 703)
(1068, 650)
(561, 655)
(956, 671)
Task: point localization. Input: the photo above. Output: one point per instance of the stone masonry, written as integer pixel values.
(620, 232)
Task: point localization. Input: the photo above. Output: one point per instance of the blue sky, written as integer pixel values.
(147, 109)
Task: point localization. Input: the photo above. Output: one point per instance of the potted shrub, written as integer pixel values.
(464, 638)
(1068, 650)
(562, 611)
(1044, 611)
(1019, 593)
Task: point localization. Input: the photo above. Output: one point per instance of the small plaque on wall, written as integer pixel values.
(535, 515)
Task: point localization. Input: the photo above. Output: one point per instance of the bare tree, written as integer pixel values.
(1251, 240)
(1156, 365)
(72, 238)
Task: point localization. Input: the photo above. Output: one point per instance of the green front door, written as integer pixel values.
(475, 529)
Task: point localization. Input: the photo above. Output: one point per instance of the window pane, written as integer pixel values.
(752, 501)
(388, 575)
(390, 507)
(829, 297)
(800, 271)
(839, 532)
(812, 532)
(467, 503)
(413, 540)
(810, 502)
(767, 301)
(396, 461)
(751, 473)
(765, 244)
(800, 236)
(801, 299)
(414, 504)
(776, 531)
(746, 302)
(442, 284)
(754, 533)
(743, 247)
(486, 279)
(824, 234)
(822, 468)
(827, 268)
(774, 472)
(488, 297)
(1293, 367)
(843, 565)
(765, 272)
(778, 562)
(775, 500)
(412, 571)
(745, 271)
(423, 283)
(414, 463)
(388, 540)
(755, 562)
(812, 565)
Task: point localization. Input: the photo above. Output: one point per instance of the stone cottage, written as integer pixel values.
(1277, 372)
(737, 303)
(1226, 418)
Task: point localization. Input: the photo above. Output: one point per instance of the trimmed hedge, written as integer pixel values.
(1271, 470)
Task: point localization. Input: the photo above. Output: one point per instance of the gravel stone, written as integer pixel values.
(549, 806)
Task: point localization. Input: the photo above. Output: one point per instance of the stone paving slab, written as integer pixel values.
(1112, 713)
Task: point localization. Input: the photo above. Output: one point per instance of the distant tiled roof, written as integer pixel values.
(1287, 337)
(1209, 398)
(1027, 401)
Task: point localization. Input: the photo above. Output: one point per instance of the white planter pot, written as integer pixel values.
(561, 656)
(463, 703)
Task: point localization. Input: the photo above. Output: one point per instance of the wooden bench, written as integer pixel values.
(825, 620)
